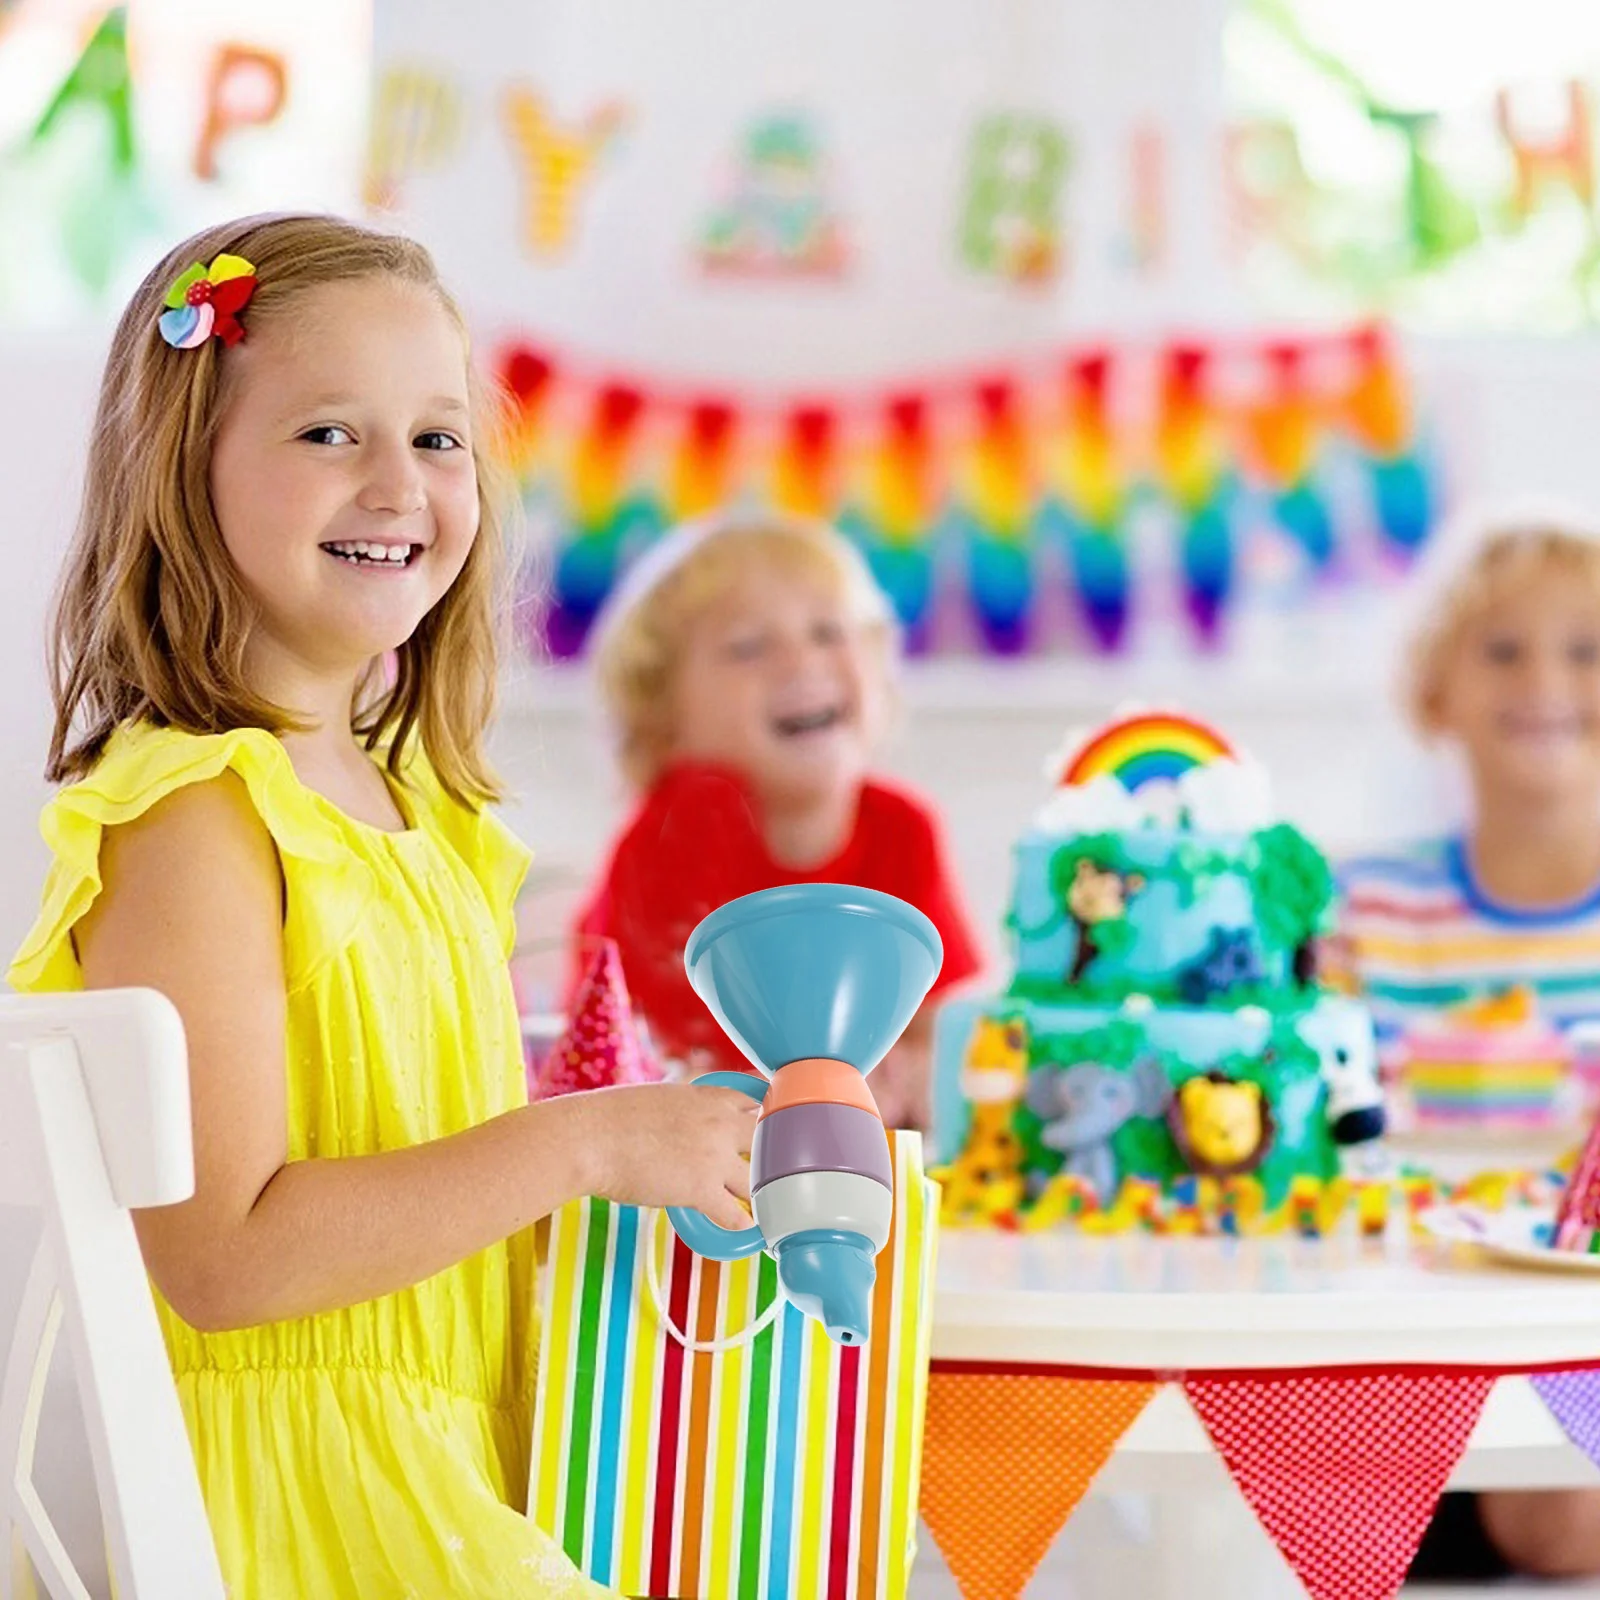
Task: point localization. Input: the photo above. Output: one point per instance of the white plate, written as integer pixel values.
(1520, 1236)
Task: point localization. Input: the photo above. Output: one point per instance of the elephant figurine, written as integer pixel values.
(1083, 1106)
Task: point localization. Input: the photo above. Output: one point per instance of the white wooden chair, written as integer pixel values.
(94, 1120)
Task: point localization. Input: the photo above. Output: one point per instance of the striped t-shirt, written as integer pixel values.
(1419, 935)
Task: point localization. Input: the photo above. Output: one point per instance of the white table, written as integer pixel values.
(1137, 1301)
(1147, 1304)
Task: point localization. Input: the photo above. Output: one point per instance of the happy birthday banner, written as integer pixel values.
(1057, 502)
(124, 127)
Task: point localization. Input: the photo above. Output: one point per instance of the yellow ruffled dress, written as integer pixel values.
(377, 1453)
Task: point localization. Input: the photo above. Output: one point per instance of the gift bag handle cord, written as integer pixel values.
(708, 1347)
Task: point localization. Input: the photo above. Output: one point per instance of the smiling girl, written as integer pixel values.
(285, 490)
(746, 667)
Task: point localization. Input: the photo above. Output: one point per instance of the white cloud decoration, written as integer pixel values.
(1224, 797)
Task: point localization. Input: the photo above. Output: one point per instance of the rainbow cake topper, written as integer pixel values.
(1154, 747)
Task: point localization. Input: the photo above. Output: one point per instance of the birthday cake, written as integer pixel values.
(1163, 1024)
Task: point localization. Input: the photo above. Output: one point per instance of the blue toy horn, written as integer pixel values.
(813, 983)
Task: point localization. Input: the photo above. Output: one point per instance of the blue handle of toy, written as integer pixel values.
(702, 1235)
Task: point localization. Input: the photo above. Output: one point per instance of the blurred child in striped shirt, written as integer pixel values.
(1504, 669)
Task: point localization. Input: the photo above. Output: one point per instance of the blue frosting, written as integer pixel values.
(1171, 927)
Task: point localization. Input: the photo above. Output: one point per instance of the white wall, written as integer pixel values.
(46, 400)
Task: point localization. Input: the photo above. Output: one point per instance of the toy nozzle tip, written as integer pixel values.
(829, 1276)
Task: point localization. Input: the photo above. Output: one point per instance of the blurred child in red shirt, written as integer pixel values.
(746, 667)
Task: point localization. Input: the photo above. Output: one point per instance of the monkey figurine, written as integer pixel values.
(1096, 894)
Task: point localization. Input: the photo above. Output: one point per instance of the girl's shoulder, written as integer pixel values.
(142, 765)
(333, 867)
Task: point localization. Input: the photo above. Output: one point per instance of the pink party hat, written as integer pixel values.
(601, 1045)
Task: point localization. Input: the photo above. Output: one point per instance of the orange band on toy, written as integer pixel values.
(818, 1081)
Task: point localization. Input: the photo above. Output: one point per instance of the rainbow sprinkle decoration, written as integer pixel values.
(1153, 748)
(1236, 1208)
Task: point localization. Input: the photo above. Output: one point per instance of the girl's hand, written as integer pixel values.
(671, 1144)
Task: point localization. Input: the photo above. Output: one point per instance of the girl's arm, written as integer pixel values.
(192, 905)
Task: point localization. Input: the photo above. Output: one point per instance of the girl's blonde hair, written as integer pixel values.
(642, 633)
(1506, 554)
(151, 617)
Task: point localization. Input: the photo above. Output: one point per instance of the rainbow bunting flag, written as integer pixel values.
(777, 1467)
(1088, 507)
(980, 501)
(1196, 473)
(998, 505)
(1286, 437)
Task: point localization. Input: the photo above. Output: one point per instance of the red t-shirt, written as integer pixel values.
(695, 843)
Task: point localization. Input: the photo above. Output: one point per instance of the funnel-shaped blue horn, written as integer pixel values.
(814, 983)
(814, 970)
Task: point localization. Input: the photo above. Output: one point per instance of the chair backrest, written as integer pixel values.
(94, 1121)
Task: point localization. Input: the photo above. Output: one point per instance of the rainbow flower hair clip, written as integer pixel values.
(206, 301)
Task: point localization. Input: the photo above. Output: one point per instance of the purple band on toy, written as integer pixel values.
(820, 1138)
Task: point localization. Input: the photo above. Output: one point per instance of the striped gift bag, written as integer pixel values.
(775, 1465)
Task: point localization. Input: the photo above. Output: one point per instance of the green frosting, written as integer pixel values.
(1195, 866)
(1291, 893)
(1107, 851)
(1293, 887)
